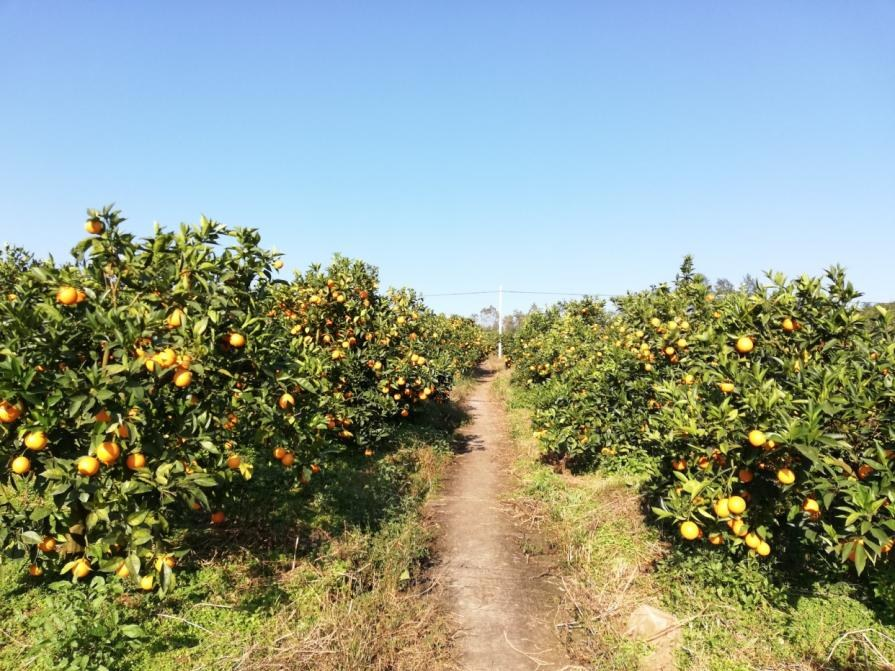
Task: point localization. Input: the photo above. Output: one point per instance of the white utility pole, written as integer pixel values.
(500, 322)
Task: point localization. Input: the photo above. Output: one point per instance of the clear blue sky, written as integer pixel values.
(565, 146)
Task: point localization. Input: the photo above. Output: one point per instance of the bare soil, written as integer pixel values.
(504, 601)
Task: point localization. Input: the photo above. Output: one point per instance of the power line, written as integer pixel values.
(510, 291)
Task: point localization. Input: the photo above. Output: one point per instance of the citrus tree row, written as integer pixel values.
(144, 384)
(765, 419)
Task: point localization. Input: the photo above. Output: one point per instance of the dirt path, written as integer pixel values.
(503, 601)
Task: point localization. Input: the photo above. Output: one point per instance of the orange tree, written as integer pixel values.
(143, 385)
(765, 418)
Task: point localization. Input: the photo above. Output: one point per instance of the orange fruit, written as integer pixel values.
(123, 431)
(108, 453)
(233, 461)
(277, 264)
(716, 538)
(175, 319)
(122, 571)
(679, 464)
(35, 571)
(763, 549)
(864, 471)
(736, 505)
(9, 413)
(48, 544)
(746, 476)
(218, 517)
(811, 506)
(166, 358)
(88, 466)
(285, 401)
(279, 453)
(182, 377)
(726, 387)
(752, 540)
(36, 440)
(788, 325)
(236, 340)
(21, 465)
(67, 295)
(689, 530)
(786, 476)
(288, 459)
(94, 226)
(81, 569)
(722, 508)
(147, 582)
(103, 416)
(757, 438)
(745, 345)
(738, 527)
(135, 461)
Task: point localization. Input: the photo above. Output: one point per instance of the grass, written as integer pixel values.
(334, 580)
(736, 616)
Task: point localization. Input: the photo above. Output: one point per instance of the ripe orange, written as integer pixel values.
(9, 413)
(233, 461)
(726, 387)
(757, 438)
(279, 453)
(864, 471)
(35, 571)
(175, 319)
(689, 530)
(21, 465)
(218, 517)
(679, 464)
(788, 325)
(36, 440)
(277, 264)
(108, 453)
(94, 226)
(752, 540)
(103, 416)
(738, 527)
(122, 571)
(166, 358)
(123, 431)
(763, 549)
(745, 345)
(786, 476)
(716, 538)
(811, 506)
(135, 461)
(285, 401)
(48, 544)
(746, 476)
(81, 569)
(67, 295)
(182, 377)
(236, 340)
(736, 505)
(288, 459)
(147, 582)
(722, 508)
(88, 466)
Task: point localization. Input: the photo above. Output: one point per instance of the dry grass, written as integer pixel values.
(596, 524)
